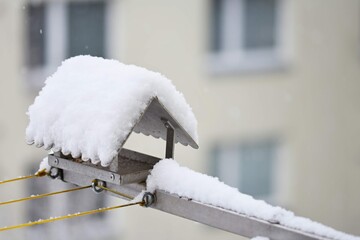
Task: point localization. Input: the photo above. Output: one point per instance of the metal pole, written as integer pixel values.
(170, 140)
(226, 220)
(187, 208)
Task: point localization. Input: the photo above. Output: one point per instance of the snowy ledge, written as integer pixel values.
(90, 105)
(169, 176)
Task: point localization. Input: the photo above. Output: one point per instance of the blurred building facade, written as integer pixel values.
(274, 85)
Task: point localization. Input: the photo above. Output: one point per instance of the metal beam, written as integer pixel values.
(226, 220)
(187, 208)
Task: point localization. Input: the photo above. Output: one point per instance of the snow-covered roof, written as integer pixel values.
(90, 105)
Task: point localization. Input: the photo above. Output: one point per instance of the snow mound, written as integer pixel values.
(167, 175)
(89, 105)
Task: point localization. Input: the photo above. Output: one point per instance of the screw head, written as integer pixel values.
(112, 176)
(56, 161)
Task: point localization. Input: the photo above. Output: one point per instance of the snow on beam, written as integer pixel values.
(220, 200)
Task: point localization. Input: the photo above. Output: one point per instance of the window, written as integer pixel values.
(259, 24)
(35, 36)
(247, 35)
(249, 166)
(86, 28)
(61, 29)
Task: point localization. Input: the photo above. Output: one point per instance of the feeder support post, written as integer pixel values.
(170, 139)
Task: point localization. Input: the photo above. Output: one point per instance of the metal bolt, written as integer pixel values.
(112, 176)
(54, 173)
(56, 161)
(95, 185)
(148, 199)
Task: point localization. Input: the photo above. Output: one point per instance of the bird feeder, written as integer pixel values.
(128, 166)
(87, 111)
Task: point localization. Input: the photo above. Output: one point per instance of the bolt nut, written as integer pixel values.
(112, 176)
(97, 184)
(148, 199)
(54, 173)
(56, 161)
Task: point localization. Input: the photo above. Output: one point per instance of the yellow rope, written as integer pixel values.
(43, 195)
(40, 173)
(49, 220)
(119, 193)
(115, 192)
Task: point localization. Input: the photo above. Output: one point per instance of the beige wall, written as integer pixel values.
(13, 107)
(324, 120)
(312, 105)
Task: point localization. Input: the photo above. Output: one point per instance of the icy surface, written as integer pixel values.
(90, 104)
(170, 177)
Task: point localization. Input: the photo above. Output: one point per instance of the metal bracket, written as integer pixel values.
(170, 139)
(129, 167)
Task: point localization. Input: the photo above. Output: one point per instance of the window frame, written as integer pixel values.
(236, 59)
(33, 18)
(56, 37)
(279, 164)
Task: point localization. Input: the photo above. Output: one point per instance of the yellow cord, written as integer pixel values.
(40, 173)
(115, 192)
(49, 220)
(43, 195)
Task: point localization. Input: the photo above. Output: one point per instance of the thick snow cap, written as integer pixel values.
(89, 106)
